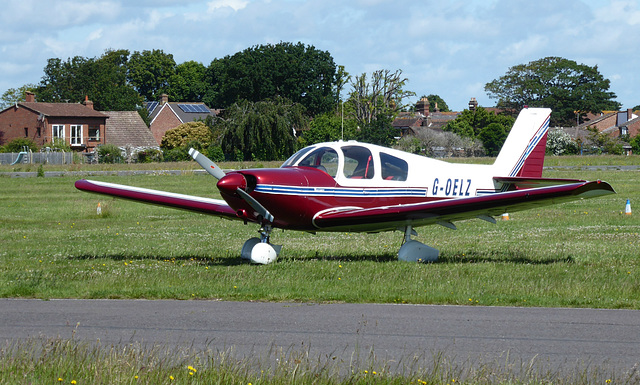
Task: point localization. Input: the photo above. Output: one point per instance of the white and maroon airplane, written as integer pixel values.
(360, 187)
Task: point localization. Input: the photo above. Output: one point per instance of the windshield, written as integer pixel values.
(294, 158)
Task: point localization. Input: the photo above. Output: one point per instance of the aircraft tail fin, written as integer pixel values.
(522, 154)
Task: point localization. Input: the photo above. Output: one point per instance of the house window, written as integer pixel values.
(38, 132)
(57, 131)
(26, 132)
(75, 136)
(624, 130)
(94, 133)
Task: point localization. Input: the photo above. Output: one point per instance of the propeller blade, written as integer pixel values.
(256, 205)
(207, 164)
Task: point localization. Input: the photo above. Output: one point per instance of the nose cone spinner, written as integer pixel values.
(231, 182)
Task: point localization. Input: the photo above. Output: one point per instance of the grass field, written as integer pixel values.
(579, 254)
(54, 245)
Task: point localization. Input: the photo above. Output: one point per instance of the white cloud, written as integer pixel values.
(236, 5)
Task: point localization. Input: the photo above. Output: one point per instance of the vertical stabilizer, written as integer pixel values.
(522, 154)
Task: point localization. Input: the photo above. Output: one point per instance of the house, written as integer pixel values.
(127, 130)
(412, 122)
(165, 115)
(79, 125)
(615, 123)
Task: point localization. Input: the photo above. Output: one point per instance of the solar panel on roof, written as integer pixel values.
(201, 108)
(151, 106)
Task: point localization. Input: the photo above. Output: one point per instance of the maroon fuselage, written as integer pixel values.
(294, 195)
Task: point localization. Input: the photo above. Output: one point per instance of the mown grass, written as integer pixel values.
(579, 254)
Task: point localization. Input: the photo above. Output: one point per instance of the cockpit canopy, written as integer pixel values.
(351, 161)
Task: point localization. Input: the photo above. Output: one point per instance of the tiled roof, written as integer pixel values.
(183, 116)
(126, 128)
(62, 109)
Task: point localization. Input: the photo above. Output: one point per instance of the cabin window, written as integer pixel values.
(393, 168)
(323, 158)
(94, 133)
(57, 131)
(358, 162)
(75, 136)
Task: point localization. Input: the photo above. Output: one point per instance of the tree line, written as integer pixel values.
(277, 98)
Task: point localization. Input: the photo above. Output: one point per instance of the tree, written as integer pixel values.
(474, 124)
(15, 95)
(379, 131)
(263, 130)
(382, 96)
(149, 72)
(437, 100)
(493, 137)
(299, 73)
(557, 83)
(188, 82)
(102, 79)
(328, 128)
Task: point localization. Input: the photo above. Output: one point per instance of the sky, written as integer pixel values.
(447, 47)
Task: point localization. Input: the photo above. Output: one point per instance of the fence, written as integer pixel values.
(38, 157)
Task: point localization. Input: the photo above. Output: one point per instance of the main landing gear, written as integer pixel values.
(414, 251)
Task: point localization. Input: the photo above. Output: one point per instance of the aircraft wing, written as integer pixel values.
(162, 198)
(445, 211)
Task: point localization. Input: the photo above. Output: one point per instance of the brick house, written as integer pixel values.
(165, 115)
(412, 122)
(79, 125)
(614, 123)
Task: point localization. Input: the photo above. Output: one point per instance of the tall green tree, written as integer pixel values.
(557, 83)
(188, 83)
(381, 96)
(15, 95)
(328, 127)
(102, 79)
(436, 100)
(484, 125)
(149, 72)
(302, 74)
(264, 130)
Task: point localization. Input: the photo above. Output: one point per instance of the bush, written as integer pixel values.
(18, 144)
(560, 143)
(149, 155)
(178, 154)
(109, 153)
(185, 134)
(214, 152)
(58, 144)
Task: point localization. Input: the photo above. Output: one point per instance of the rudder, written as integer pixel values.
(522, 154)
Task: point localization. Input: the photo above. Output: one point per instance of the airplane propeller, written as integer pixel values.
(257, 250)
(207, 164)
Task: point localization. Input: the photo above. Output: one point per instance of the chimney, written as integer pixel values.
(88, 102)
(164, 99)
(629, 114)
(29, 97)
(473, 104)
(422, 106)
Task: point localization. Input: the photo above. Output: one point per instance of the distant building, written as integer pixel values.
(165, 115)
(421, 118)
(126, 129)
(79, 125)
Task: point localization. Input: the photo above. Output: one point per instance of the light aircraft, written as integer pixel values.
(359, 187)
